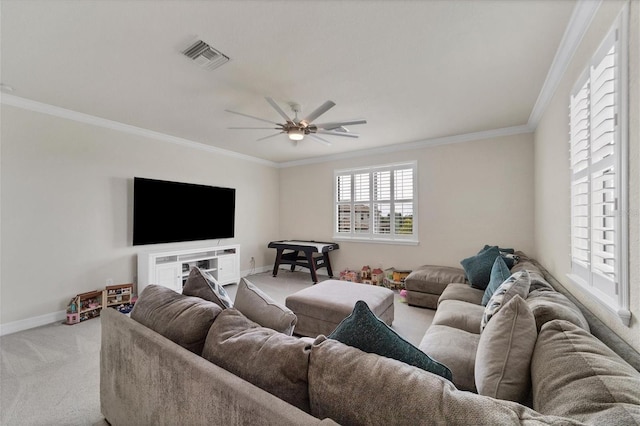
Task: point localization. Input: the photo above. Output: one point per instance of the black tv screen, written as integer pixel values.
(169, 212)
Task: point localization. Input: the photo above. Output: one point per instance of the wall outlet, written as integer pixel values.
(109, 281)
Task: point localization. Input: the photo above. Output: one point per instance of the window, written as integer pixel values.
(598, 160)
(376, 204)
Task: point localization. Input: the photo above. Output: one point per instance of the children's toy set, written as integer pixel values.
(88, 305)
(391, 278)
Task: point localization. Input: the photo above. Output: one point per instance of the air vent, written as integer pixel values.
(205, 56)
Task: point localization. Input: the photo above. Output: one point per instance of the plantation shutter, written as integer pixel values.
(595, 176)
(376, 203)
(343, 204)
(603, 172)
(580, 199)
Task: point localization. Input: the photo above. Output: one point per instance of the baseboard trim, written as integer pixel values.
(33, 322)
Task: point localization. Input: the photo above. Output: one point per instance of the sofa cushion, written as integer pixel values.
(549, 305)
(260, 308)
(504, 353)
(499, 273)
(457, 349)
(357, 388)
(478, 267)
(273, 361)
(576, 375)
(363, 330)
(181, 319)
(458, 314)
(433, 279)
(462, 292)
(201, 284)
(517, 283)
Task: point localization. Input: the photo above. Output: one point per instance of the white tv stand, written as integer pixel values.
(170, 268)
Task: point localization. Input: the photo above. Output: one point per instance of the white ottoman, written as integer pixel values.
(321, 307)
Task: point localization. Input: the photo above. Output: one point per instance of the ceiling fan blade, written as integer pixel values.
(278, 109)
(319, 139)
(327, 132)
(270, 136)
(255, 128)
(336, 124)
(318, 112)
(251, 116)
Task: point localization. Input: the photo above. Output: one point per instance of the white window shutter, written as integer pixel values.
(376, 203)
(597, 118)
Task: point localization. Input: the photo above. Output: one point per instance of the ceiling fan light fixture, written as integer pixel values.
(296, 134)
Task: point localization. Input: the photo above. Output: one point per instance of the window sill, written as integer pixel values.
(623, 314)
(399, 242)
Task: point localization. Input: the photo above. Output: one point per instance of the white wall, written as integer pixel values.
(552, 192)
(67, 191)
(470, 194)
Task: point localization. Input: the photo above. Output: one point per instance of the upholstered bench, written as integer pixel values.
(425, 284)
(321, 307)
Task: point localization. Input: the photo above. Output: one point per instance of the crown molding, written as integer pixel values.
(580, 20)
(425, 143)
(43, 108)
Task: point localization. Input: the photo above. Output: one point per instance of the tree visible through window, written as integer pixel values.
(376, 203)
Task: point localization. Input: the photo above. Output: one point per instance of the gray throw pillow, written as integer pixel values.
(183, 320)
(550, 305)
(363, 330)
(517, 283)
(260, 308)
(499, 273)
(274, 362)
(478, 267)
(201, 284)
(504, 353)
(575, 375)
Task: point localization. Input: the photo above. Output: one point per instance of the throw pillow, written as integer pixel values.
(363, 330)
(201, 284)
(260, 308)
(517, 283)
(502, 249)
(274, 362)
(507, 254)
(550, 305)
(575, 375)
(504, 353)
(183, 320)
(499, 273)
(478, 267)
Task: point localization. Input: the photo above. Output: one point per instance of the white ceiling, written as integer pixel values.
(416, 70)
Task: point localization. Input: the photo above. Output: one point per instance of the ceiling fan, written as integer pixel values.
(297, 129)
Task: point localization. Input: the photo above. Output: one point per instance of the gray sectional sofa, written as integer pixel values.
(229, 370)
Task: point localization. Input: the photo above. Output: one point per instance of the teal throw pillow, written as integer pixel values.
(478, 267)
(502, 249)
(499, 273)
(364, 331)
(507, 255)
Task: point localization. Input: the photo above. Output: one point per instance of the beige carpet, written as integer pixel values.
(50, 375)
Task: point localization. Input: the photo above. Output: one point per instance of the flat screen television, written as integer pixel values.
(169, 212)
